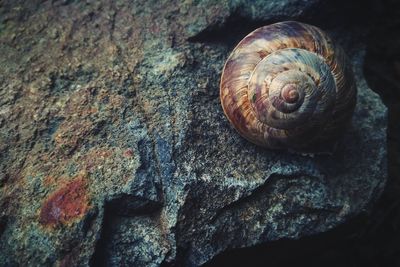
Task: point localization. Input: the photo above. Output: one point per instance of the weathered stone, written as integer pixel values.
(114, 147)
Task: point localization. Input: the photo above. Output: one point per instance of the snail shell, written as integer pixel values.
(287, 86)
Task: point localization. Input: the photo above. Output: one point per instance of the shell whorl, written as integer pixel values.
(287, 86)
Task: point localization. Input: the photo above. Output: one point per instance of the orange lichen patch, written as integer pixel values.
(128, 153)
(65, 205)
(71, 133)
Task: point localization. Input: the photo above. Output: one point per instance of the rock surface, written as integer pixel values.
(114, 148)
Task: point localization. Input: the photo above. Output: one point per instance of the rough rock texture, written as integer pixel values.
(114, 148)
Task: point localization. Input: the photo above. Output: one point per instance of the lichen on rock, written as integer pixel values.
(114, 147)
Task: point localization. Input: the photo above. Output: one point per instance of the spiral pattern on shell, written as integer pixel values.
(286, 86)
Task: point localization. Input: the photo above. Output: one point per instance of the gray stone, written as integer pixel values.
(118, 115)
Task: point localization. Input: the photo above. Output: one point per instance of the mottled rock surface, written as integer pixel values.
(114, 148)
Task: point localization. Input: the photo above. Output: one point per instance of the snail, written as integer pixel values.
(287, 86)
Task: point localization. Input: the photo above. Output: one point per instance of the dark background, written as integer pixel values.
(371, 239)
